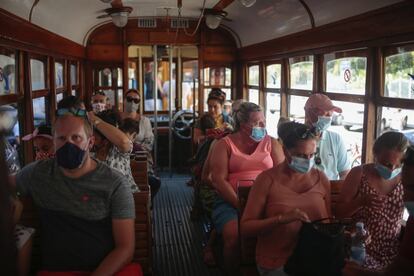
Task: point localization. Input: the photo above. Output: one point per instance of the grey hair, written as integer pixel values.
(242, 114)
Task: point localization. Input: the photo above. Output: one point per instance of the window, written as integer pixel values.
(39, 111)
(399, 75)
(37, 74)
(105, 77)
(272, 112)
(345, 75)
(217, 77)
(254, 96)
(253, 83)
(132, 75)
(349, 124)
(73, 74)
(254, 75)
(189, 88)
(13, 150)
(273, 76)
(398, 119)
(59, 97)
(59, 75)
(7, 72)
(301, 73)
(296, 108)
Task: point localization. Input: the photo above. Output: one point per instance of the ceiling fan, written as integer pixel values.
(117, 12)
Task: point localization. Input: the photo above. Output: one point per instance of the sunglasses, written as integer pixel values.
(72, 111)
(130, 99)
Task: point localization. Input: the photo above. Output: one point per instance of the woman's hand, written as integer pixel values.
(294, 215)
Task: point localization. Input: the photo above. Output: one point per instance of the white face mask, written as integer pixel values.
(98, 107)
(131, 107)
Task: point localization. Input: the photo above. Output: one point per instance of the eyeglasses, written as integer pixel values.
(72, 111)
(130, 99)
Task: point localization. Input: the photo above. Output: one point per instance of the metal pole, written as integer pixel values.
(170, 110)
(140, 81)
(155, 95)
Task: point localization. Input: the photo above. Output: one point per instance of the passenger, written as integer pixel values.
(331, 154)
(241, 155)
(283, 197)
(71, 102)
(215, 102)
(373, 194)
(42, 142)
(100, 102)
(112, 146)
(145, 138)
(86, 208)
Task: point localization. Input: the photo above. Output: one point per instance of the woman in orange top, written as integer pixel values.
(284, 196)
(241, 155)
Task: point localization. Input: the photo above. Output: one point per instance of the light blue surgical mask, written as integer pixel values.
(302, 165)
(258, 133)
(323, 123)
(225, 113)
(410, 207)
(386, 173)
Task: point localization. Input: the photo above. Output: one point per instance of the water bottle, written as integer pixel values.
(358, 244)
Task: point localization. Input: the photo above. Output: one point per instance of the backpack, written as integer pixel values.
(320, 250)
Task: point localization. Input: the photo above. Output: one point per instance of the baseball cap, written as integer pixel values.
(41, 131)
(322, 102)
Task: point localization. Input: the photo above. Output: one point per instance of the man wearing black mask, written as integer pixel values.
(86, 208)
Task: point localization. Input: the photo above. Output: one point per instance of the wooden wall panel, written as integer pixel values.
(382, 24)
(219, 55)
(20, 33)
(105, 53)
(106, 34)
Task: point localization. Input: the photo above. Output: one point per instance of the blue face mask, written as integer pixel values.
(410, 207)
(323, 123)
(302, 165)
(386, 173)
(258, 133)
(70, 156)
(225, 113)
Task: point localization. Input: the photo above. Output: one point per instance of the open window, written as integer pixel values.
(272, 92)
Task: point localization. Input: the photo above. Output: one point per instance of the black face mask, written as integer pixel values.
(70, 156)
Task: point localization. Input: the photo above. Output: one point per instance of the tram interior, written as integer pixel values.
(274, 53)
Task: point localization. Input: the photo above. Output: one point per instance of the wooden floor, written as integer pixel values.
(178, 241)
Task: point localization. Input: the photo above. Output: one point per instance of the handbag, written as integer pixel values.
(320, 250)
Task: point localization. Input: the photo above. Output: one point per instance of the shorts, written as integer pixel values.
(223, 212)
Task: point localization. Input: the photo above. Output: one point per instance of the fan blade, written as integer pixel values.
(103, 16)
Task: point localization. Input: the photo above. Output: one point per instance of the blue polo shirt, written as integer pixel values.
(333, 154)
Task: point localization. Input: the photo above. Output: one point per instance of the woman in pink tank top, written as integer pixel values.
(241, 155)
(284, 196)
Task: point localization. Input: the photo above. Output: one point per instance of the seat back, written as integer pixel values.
(143, 231)
(247, 245)
(139, 169)
(336, 186)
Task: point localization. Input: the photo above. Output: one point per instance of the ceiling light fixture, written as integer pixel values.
(120, 19)
(214, 18)
(247, 3)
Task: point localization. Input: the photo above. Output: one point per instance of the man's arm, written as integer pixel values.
(124, 237)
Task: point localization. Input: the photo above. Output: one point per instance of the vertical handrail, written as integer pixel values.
(170, 109)
(140, 81)
(155, 96)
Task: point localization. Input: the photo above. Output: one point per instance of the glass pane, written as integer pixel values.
(164, 80)
(188, 86)
(105, 77)
(296, 108)
(253, 75)
(228, 77)
(7, 72)
(301, 73)
(254, 96)
(272, 113)
(399, 76)
(398, 119)
(120, 95)
(346, 75)
(207, 76)
(349, 125)
(149, 88)
(73, 92)
(217, 76)
(39, 111)
(118, 74)
(273, 75)
(111, 96)
(13, 150)
(132, 75)
(73, 74)
(58, 75)
(37, 74)
(58, 98)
